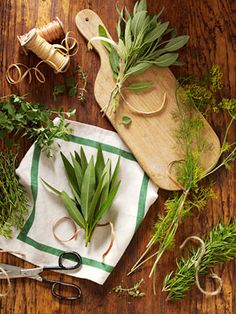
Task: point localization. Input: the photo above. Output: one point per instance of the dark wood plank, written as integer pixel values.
(211, 25)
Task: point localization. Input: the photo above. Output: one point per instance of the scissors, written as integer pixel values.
(56, 285)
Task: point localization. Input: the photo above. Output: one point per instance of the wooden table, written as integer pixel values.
(212, 30)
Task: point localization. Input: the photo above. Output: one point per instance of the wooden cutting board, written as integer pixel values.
(150, 138)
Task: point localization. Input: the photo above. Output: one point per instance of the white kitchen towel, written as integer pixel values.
(136, 194)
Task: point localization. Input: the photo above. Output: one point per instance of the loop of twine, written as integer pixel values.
(197, 267)
(76, 231)
(57, 56)
(146, 113)
(112, 237)
(6, 274)
(58, 222)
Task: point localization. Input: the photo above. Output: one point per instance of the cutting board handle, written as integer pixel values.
(87, 23)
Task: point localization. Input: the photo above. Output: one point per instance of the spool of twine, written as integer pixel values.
(52, 31)
(45, 51)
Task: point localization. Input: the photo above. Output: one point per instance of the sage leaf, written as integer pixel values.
(114, 60)
(126, 120)
(157, 32)
(138, 69)
(140, 86)
(102, 33)
(166, 60)
(176, 43)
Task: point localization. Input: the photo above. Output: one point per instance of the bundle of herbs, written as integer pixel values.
(143, 41)
(18, 116)
(93, 187)
(13, 202)
(189, 172)
(219, 247)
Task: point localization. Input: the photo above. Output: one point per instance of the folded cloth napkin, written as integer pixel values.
(135, 196)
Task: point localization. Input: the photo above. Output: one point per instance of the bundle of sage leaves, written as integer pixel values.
(93, 186)
(143, 41)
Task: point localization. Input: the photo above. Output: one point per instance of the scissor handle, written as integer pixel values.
(56, 285)
(74, 256)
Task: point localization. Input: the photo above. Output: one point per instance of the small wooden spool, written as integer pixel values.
(44, 50)
(50, 32)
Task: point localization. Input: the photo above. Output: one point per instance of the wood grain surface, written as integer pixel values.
(212, 30)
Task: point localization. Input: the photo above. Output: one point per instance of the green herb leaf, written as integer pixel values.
(87, 188)
(72, 209)
(166, 60)
(70, 171)
(126, 120)
(102, 32)
(138, 69)
(114, 60)
(73, 91)
(100, 164)
(70, 81)
(107, 204)
(140, 86)
(176, 43)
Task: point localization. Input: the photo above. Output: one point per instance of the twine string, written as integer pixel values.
(197, 268)
(56, 56)
(6, 274)
(76, 231)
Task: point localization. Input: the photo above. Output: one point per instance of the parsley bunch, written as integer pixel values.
(18, 116)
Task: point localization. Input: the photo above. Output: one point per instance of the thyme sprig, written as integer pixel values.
(143, 41)
(134, 291)
(13, 202)
(30, 119)
(220, 247)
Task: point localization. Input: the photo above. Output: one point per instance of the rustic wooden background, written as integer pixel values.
(212, 30)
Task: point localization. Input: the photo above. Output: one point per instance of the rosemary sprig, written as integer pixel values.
(143, 41)
(18, 116)
(13, 202)
(220, 247)
(93, 186)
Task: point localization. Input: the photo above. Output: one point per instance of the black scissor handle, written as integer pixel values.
(60, 285)
(74, 256)
(67, 255)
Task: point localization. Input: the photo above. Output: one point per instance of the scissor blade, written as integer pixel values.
(18, 272)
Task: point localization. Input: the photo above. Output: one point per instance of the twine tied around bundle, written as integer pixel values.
(77, 230)
(197, 267)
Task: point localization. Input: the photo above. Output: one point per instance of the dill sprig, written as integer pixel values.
(143, 41)
(189, 172)
(13, 202)
(220, 247)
